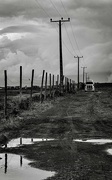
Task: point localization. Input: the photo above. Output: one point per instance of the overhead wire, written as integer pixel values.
(71, 28)
(39, 4)
(55, 7)
(70, 40)
(73, 33)
(64, 26)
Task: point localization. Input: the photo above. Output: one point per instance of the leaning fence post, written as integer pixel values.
(21, 141)
(74, 86)
(5, 163)
(70, 85)
(53, 85)
(50, 83)
(5, 105)
(57, 81)
(65, 84)
(32, 84)
(21, 161)
(45, 87)
(20, 83)
(42, 85)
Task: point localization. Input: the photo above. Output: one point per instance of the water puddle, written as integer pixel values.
(109, 151)
(23, 141)
(16, 167)
(95, 141)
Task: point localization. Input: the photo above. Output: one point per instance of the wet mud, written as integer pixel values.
(83, 116)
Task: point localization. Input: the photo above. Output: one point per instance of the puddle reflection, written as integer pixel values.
(95, 141)
(109, 151)
(23, 141)
(16, 167)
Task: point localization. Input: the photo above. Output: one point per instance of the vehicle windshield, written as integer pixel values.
(89, 82)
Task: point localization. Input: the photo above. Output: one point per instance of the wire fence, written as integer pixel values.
(15, 97)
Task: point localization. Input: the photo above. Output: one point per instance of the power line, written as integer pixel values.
(55, 8)
(37, 2)
(64, 26)
(39, 5)
(67, 48)
(71, 28)
(69, 39)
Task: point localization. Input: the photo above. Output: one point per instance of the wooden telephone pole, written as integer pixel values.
(78, 70)
(5, 105)
(60, 50)
(83, 72)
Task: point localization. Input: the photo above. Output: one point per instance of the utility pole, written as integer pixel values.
(86, 77)
(20, 83)
(83, 73)
(5, 105)
(78, 69)
(60, 50)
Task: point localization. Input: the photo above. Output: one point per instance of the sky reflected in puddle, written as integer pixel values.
(109, 151)
(16, 167)
(95, 141)
(24, 141)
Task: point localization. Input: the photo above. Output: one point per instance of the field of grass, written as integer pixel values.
(74, 116)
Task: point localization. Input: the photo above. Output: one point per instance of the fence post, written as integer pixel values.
(74, 86)
(57, 81)
(53, 86)
(67, 85)
(20, 83)
(50, 83)
(45, 97)
(21, 141)
(5, 105)
(70, 85)
(63, 83)
(5, 163)
(42, 86)
(31, 84)
(21, 161)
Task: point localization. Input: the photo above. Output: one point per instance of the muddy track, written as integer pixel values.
(83, 115)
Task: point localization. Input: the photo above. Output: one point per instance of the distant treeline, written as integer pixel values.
(18, 87)
(103, 85)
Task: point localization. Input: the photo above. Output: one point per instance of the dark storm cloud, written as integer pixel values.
(29, 9)
(92, 13)
(12, 8)
(27, 21)
(23, 45)
(20, 29)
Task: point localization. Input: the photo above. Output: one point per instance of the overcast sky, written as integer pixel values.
(29, 39)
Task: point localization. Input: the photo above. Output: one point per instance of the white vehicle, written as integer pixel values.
(89, 86)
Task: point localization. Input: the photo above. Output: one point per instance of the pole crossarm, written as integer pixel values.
(62, 20)
(78, 56)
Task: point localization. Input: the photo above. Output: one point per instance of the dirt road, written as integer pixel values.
(81, 115)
